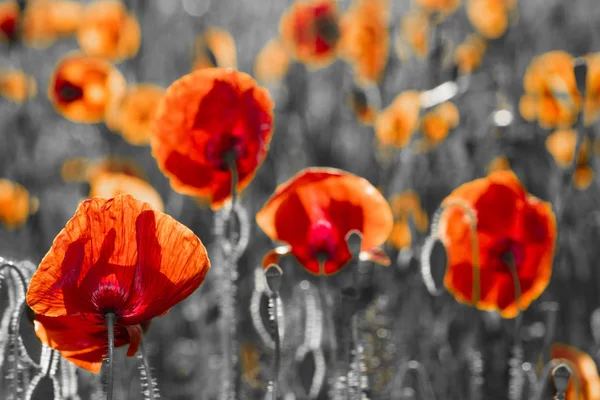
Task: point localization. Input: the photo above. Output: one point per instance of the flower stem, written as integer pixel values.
(146, 367)
(110, 326)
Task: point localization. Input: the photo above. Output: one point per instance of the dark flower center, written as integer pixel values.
(67, 92)
(327, 28)
(322, 240)
(222, 146)
(508, 248)
(9, 27)
(359, 99)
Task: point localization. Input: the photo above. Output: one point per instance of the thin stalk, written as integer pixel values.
(516, 362)
(110, 326)
(273, 317)
(146, 366)
(18, 272)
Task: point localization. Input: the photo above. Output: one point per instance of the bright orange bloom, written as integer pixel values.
(120, 256)
(15, 204)
(215, 47)
(16, 86)
(224, 112)
(489, 17)
(365, 38)
(9, 20)
(404, 206)
(550, 84)
(107, 30)
(413, 37)
(395, 125)
(44, 21)
(499, 163)
(583, 176)
(79, 169)
(441, 6)
(585, 368)
(561, 145)
(592, 95)
(469, 54)
(314, 212)
(310, 31)
(365, 102)
(65, 16)
(83, 88)
(109, 185)
(133, 116)
(272, 63)
(509, 222)
(436, 124)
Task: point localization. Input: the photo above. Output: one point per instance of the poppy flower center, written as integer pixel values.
(327, 29)
(219, 146)
(9, 27)
(508, 247)
(322, 239)
(67, 91)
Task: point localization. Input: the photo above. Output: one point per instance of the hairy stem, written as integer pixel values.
(110, 326)
(146, 366)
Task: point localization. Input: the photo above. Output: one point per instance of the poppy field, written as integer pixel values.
(299, 199)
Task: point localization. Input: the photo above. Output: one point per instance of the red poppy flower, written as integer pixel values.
(316, 210)
(120, 256)
(310, 30)
(509, 222)
(204, 116)
(9, 20)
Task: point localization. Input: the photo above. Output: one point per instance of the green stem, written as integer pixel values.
(110, 326)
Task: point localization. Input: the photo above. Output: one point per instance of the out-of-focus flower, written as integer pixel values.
(395, 125)
(114, 256)
(272, 63)
(16, 86)
(585, 368)
(310, 31)
(469, 54)
(509, 222)
(65, 16)
(107, 30)
(490, 17)
(215, 47)
(551, 90)
(365, 37)
(315, 211)
(499, 163)
(204, 118)
(445, 7)
(592, 95)
(413, 37)
(83, 88)
(9, 20)
(16, 204)
(436, 124)
(404, 206)
(79, 169)
(109, 185)
(561, 145)
(133, 115)
(44, 21)
(583, 176)
(365, 102)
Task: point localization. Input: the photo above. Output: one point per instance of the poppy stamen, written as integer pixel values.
(322, 242)
(110, 326)
(68, 92)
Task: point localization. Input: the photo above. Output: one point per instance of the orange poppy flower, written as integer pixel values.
(489, 17)
(204, 117)
(78, 169)
(592, 98)
(365, 38)
(469, 54)
(583, 176)
(109, 185)
(405, 205)
(314, 212)
(395, 125)
(365, 102)
(9, 20)
(561, 145)
(413, 37)
(133, 116)
(509, 222)
(36, 25)
(120, 256)
(16, 205)
(16, 86)
(272, 63)
(214, 48)
(550, 84)
(108, 30)
(499, 163)
(310, 31)
(446, 7)
(436, 124)
(585, 368)
(83, 88)
(65, 16)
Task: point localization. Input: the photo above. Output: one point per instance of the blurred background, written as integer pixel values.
(316, 125)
